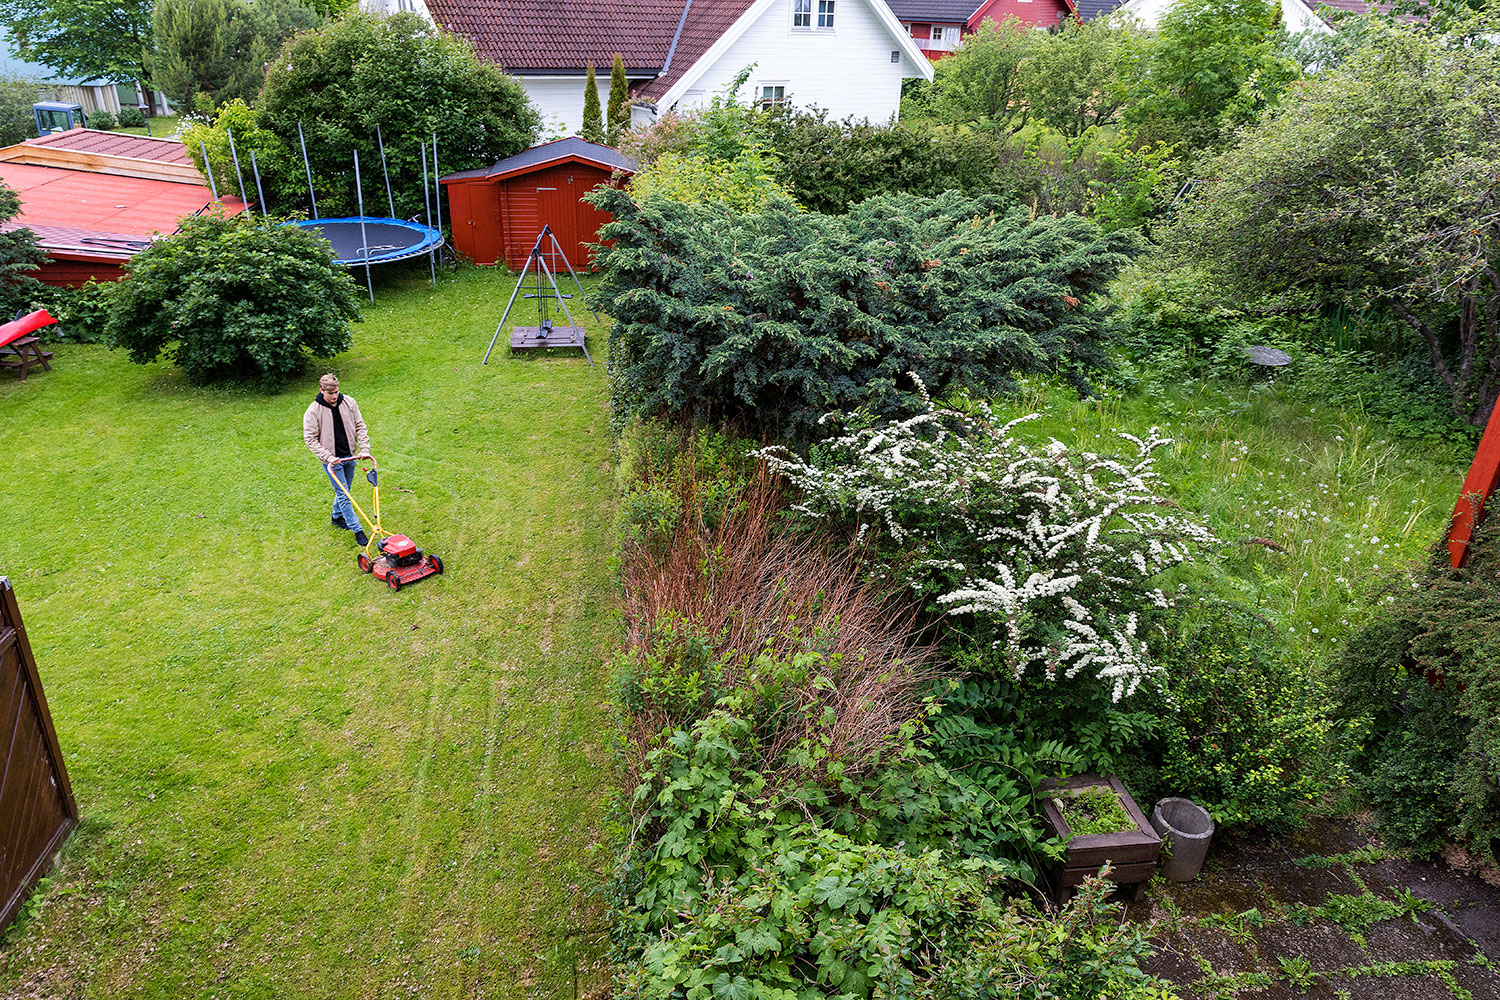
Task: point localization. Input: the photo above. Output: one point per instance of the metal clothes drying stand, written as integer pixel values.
(546, 335)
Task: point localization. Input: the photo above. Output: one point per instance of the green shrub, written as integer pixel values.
(1238, 730)
(20, 257)
(234, 297)
(132, 117)
(743, 184)
(82, 313)
(1046, 555)
(103, 121)
(829, 166)
(408, 77)
(1423, 677)
(779, 316)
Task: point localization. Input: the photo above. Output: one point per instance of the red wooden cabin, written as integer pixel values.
(497, 212)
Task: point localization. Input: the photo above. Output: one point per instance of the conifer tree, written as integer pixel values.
(619, 101)
(20, 256)
(593, 118)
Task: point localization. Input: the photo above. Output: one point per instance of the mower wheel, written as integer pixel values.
(394, 581)
(437, 564)
(365, 565)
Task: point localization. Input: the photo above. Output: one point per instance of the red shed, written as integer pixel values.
(498, 211)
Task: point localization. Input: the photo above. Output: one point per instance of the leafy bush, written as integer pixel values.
(277, 163)
(17, 95)
(103, 121)
(1051, 555)
(82, 313)
(362, 71)
(132, 117)
(1354, 192)
(827, 166)
(742, 184)
(1236, 729)
(231, 297)
(1424, 678)
(778, 316)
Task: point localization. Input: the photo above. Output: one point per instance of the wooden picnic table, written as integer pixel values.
(24, 352)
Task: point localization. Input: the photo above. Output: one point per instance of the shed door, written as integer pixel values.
(484, 223)
(557, 204)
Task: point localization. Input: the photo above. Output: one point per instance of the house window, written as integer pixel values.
(938, 32)
(802, 13)
(772, 94)
(825, 13)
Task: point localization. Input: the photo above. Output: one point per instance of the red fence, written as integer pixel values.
(36, 802)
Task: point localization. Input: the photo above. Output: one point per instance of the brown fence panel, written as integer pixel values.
(36, 802)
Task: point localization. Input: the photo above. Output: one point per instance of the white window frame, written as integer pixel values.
(767, 103)
(825, 14)
(802, 15)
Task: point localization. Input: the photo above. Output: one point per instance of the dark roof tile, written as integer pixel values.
(934, 11)
(571, 147)
(562, 35)
(87, 140)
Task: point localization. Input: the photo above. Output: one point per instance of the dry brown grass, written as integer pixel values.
(748, 587)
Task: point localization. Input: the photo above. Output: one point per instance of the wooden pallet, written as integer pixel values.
(525, 338)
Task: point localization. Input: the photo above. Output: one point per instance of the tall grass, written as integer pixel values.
(1312, 502)
(723, 594)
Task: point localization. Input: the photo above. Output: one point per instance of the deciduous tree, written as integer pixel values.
(407, 77)
(1374, 182)
(109, 39)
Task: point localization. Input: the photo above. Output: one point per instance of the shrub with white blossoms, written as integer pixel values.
(1057, 551)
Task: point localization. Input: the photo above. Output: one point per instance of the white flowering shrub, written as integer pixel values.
(1054, 553)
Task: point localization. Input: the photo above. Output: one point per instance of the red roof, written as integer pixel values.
(113, 144)
(101, 214)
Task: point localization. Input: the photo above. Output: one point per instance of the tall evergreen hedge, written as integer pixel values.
(778, 316)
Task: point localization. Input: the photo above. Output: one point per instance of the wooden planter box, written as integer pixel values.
(1133, 853)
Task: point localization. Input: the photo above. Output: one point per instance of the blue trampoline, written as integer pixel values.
(373, 240)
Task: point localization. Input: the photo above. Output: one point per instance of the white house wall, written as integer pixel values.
(847, 70)
(560, 100)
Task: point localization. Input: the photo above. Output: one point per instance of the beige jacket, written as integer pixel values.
(317, 429)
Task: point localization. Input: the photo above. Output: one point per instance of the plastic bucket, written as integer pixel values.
(1185, 830)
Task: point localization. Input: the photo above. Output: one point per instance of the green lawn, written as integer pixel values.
(294, 782)
(161, 126)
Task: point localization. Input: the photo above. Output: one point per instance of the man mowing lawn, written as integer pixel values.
(331, 421)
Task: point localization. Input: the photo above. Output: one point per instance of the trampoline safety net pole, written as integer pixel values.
(238, 175)
(427, 214)
(308, 167)
(363, 239)
(260, 195)
(390, 201)
(438, 194)
(209, 170)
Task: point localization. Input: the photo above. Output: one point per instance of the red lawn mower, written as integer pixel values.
(391, 557)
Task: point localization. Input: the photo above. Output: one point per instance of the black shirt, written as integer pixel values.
(340, 439)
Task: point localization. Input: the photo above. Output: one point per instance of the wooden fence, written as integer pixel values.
(36, 802)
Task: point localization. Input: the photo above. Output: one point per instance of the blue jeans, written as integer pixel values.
(342, 508)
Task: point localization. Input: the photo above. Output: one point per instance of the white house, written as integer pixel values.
(845, 56)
